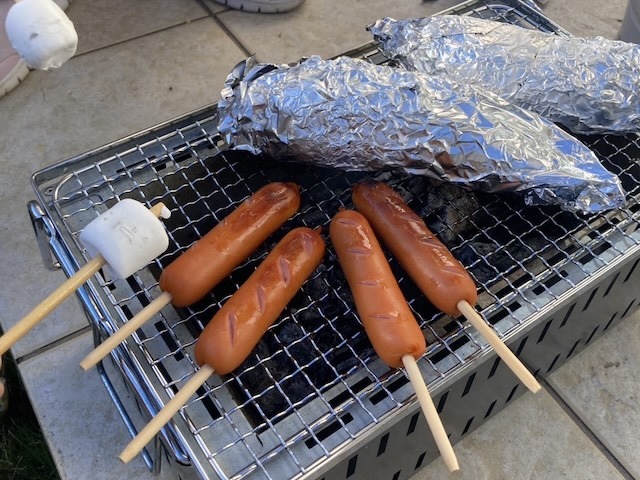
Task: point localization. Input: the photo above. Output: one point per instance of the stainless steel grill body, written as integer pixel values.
(313, 400)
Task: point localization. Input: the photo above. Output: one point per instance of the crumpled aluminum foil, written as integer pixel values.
(589, 85)
(351, 114)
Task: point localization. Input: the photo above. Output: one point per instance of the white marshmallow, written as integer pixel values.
(128, 236)
(41, 33)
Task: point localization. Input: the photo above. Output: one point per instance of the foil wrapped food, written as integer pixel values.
(589, 85)
(351, 114)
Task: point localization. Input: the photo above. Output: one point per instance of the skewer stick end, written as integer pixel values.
(86, 364)
(516, 366)
(125, 457)
(160, 210)
(163, 416)
(430, 413)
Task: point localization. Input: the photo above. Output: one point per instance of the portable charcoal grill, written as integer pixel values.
(313, 400)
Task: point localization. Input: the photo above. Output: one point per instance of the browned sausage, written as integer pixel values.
(238, 326)
(383, 310)
(212, 258)
(442, 278)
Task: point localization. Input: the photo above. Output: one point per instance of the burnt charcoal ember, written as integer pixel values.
(272, 361)
(326, 338)
(300, 300)
(348, 325)
(312, 363)
(286, 332)
(270, 401)
(334, 274)
(316, 285)
(332, 307)
(452, 220)
(319, 192)
(296, 389)
(561, 224)
(258, 378)
(310, 217)
(310, 318)
(423, 309)
(303, 352)
(472, 255)
(345, 361)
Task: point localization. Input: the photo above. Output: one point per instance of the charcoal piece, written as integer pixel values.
(325, 338)
(271, 402)
(296, 389)
(286, 333)
(314, 366)
(320, 192)
(303, 352)
(452, 219)
(316, 285)
(472, 255)
(310, 217)
(310, 318)
(299, 301)
(430, 204)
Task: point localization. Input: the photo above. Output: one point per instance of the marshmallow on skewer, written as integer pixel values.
(41, 33)
(128, 236)
(123, 240)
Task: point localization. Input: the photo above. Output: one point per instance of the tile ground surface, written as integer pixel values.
(141, 63)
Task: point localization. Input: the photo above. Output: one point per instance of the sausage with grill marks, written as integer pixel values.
(382, 308)
(438, 274)
(238, 326)
(212, 258)
(441, 277)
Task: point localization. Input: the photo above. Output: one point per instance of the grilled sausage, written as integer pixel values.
(438, 274)
(383, 310)
(238, 326)
(229, 243)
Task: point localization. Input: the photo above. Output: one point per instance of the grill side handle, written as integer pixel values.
(44, 230)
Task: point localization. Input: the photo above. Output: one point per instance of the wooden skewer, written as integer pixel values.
(127, 329)
(498, 345)
(158, 210)
(58, 296)
(430, 413)
(45, 307)
(164, 415)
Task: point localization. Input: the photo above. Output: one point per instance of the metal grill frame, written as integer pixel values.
(533, 313)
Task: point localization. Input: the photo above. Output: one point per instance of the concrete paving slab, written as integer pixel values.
(324, 28)
(118, 87)
(80, 423)
(601, 385)
(588, 18)
(101, 24)
(532, 439)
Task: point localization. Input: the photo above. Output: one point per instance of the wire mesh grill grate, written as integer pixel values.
(314, 382)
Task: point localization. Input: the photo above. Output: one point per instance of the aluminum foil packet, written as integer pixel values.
(350, 114)
(589, 85)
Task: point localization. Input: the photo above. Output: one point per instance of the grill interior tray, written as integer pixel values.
(313, 393)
